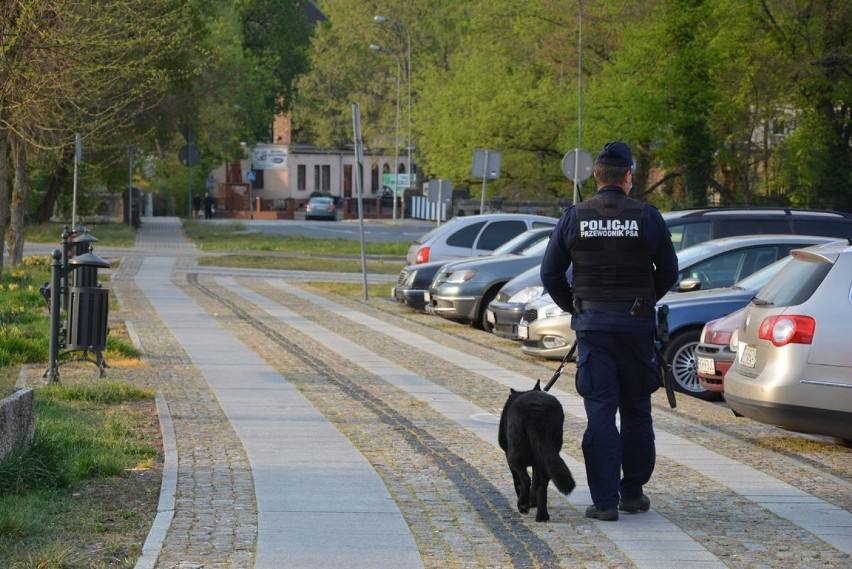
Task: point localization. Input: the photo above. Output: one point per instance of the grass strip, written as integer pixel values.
(299, 263)
(57, 505)
(235, 236)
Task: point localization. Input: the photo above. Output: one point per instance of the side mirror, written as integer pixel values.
(689, 284)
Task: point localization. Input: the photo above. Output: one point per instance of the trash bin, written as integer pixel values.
(88, 305)
(82, 242)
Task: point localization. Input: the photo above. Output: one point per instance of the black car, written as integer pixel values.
(692, 226)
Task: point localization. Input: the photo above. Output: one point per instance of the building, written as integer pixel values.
(274, 181)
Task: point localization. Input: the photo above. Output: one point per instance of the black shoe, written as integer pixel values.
(640, 503)
(602, 514)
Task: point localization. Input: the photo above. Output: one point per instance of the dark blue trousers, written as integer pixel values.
(616, 371)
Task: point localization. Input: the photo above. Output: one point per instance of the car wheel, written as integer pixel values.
(482, 322)
(680, 354)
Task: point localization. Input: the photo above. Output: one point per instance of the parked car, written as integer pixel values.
(722, 262)
(321, 208)
(546, 330)
(690, 227)
(414, 280)
(505, 311)
(470, 236)
(794, 367)
(717, 349)
(461, 290)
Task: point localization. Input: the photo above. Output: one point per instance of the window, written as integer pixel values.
(726, 269)
(795, 283)
(326, 179)
(316, 178)
(465, 236)
(302, 177)
(498, 232)
(734, 227)
(823, 227)
(688, 234)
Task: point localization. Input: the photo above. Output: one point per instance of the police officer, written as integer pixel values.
(624, 261)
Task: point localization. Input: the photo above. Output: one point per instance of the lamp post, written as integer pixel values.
(376, 47)
(403, 27)
(579, 99)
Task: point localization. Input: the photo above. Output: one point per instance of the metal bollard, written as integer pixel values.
(55, 296)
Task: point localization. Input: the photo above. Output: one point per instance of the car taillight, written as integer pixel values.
(422, 256)
(785, 329)
(720, 337)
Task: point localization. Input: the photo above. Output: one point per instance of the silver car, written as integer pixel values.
(794, 367)
(473, 235)
(321, 208)
(462, 290)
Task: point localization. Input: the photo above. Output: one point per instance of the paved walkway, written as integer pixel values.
(318, 501)
(307, 432)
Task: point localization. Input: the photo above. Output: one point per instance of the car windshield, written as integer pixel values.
(756, 280)
(515, 244)
(686, 257)
(536, 250)
(795, 284)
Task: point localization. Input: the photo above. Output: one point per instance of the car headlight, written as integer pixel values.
(526, 295)
(552, 310)
(458, 277)
(735, 338)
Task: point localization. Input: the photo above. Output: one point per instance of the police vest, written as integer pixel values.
(611, 259)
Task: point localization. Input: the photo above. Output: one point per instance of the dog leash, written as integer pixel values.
(556, 375)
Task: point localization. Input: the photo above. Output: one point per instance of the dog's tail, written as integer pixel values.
(559, 472)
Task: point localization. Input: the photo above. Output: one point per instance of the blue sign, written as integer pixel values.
(251, 176)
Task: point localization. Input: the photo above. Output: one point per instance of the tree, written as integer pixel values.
(76, 67)
(813, 41)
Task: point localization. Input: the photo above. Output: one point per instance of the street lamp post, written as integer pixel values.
(376, 47)
(579, 99)
(403, 27)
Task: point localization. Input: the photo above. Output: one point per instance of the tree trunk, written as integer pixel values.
(4, 191)
(20, 189)
(55, 184)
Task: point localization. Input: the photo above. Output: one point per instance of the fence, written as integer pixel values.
(423, 208)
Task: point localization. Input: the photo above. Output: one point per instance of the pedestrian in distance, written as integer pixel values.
(208, 206)
(624, 262)
(196, 206)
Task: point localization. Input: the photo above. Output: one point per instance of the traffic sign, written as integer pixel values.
(486, 164)
(251, 176)
(189, 155)
(578, 161)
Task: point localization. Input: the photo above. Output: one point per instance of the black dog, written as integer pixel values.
(531, 435)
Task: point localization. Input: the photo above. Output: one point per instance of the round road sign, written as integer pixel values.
(582, 164)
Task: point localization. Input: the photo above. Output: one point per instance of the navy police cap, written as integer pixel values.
(615, 154)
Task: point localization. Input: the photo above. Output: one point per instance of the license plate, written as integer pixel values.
(523, 332)
(748, 356)
(707, 366)
(427, 298)
(489, 316)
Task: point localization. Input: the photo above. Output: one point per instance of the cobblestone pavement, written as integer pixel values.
(446, 474)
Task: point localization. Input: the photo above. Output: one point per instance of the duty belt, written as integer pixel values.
(632, 307)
